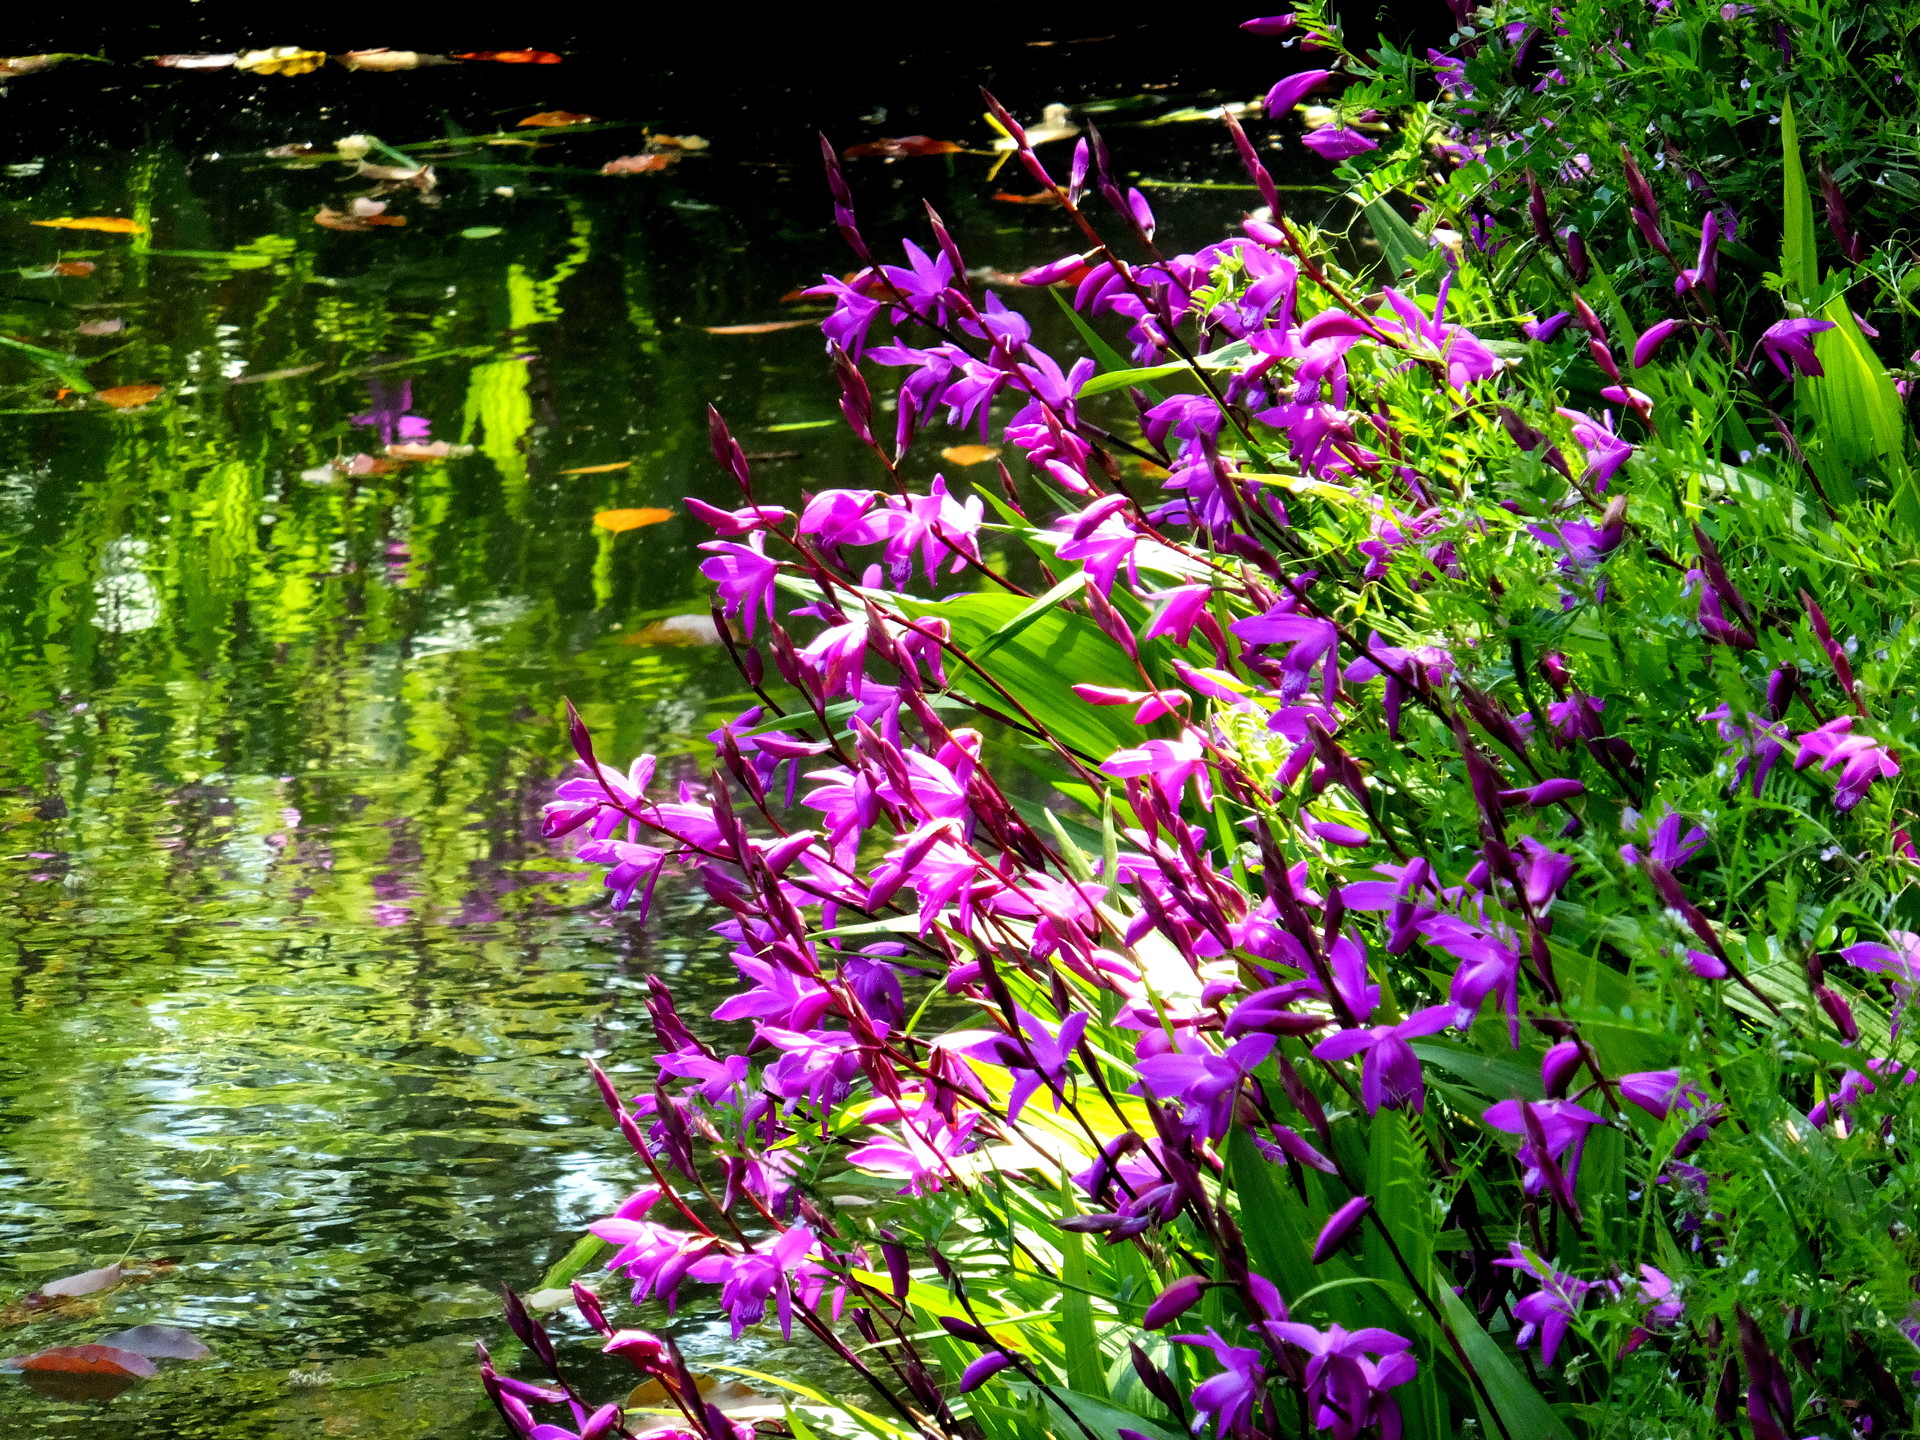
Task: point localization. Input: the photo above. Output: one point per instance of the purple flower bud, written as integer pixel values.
(983, 1370)
(965, 1330)
(1577, 259)
(1343, 835)
(1336, 143)
(1545, 330)
(1174, 1301)
(1651, 340)
(1557, 1068)
(1335, 1232)
(1270, 24)
(1290, 91)
(1706, 966)
(1838, 1011)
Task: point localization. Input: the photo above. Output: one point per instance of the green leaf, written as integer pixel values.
(1799, 254)
(1278, 1230)
(1399, 240)
(1104, 354)
(1520, 1408)
(1119, 379)
(1102, 1417)
(586, 1250)
(66, 367)
(1856, 409)
(1072, 585)
(1085, 1373)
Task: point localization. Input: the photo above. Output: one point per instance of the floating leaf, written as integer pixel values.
(763, 327)
(970, 454)
(290, 373)
(303, 152)
(598, 469)
(1045, 197)
(281, 60)
(365, 215)
(731, 1398)
(512, 57)
(87, 1360)
(196, 62)
(681, 142)
(481, 232)
(428, 450)
(554, 119)
(638, 164)
(384, 59)
(901, 148)
(12, 65)
(157, 1342)
(120, 397)
(619, 520)
(676, 630)
(89, 1282)
(100, 327)
(111, 224)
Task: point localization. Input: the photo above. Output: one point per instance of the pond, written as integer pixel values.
(295, 995)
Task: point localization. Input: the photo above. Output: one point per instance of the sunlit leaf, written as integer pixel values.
(619, 520)
(87, 1360)
(158, 1342)
(281, 60)
(127, 397)
(598, 469)
(554, 119)
(638, 164)
(111, 224)
(511, 57)
(901, 148)
(969, 454)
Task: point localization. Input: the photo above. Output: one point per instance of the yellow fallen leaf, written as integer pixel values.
(676, 630)
(554, 119)
(112, 224)
(619, 520)
(970, 454)
(597, 469)
(127, 397)
(282, 60)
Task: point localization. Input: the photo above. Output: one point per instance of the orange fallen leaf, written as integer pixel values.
(902, 147)
(112, 224)
(680, 142)
(597, 469)
(512, 57)
(764, 327)
(1045, 197)
(128, 397)
(334, 219)
(88, 1360)
(74, 267)
(552, 119)
(970, 454)
(619, 520)
(676, 630)
(638, 164)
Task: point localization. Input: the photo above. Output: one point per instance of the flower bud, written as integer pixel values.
(1339, 1226)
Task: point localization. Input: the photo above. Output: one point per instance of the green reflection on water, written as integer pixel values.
(295, 993)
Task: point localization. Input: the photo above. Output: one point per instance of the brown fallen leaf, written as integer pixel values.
(196, 62)
(621, 520)
(763, 327)
(111, 224)
(384, 59)
(1045, 197)
(100, 327)
(681, 142)
(121, 397)
(901, 148)
(87, 1360)
(639, 164)
(597, 469)
(970, 454)
(676, 630)
(512, 57)
(74, 267)
(554, 119)
(281, 60)
(334, 219)
(430, 450)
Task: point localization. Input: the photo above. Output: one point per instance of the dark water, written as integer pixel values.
(294, 995)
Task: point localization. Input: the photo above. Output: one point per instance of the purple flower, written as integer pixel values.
(1789, 344)
(1705, 272)
(1336, 142)
(1547, 1313)
(387, 414)
(748, 1282)
(1606, 452)
(1345, 1390)
(1227, 1399)
(1312, 644)
(1290, 91)
(1670, 848)
(1390, 1076)
(1658, 1091)
(1753, 746)
(921, 1154)
(1563, 1124)
(1205, 1083)
(1050, 1054)
(744, 576)
(1862, 759)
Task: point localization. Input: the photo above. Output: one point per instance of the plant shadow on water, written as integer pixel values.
(295, 995)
